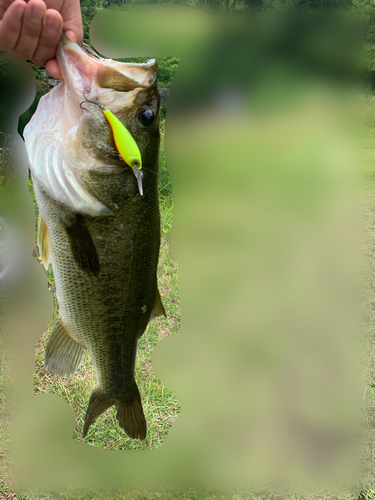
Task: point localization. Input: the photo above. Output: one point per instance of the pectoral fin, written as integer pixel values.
(81, 245)
(158, 309)
(63, 354)
(43, 242)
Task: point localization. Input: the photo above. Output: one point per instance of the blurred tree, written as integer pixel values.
(365, 10)
(230, 5)
(89, 9)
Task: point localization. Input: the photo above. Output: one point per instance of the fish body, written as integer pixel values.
(99, 233)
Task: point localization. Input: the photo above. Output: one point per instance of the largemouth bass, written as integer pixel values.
(99, 223)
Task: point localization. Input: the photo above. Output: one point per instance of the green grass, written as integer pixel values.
(6, 159)
(142, 494)
(368, 164)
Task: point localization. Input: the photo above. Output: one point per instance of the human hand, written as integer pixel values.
(33, 29)
(70, 11)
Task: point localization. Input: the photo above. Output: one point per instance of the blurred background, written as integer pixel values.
(267, 192)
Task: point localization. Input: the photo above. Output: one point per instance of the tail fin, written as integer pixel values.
(129, 412)
(98, 403)
(130, 416)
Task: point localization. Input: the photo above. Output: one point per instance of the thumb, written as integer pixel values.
(72, 20)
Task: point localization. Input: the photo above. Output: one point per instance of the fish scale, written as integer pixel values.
(104, 260)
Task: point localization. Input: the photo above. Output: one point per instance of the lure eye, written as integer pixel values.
(146, 117)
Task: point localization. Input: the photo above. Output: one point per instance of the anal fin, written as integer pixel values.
(63, 354)
(81, 245)
(158, 309)
(43, 242)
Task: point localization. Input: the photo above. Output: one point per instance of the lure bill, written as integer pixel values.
(99, 223)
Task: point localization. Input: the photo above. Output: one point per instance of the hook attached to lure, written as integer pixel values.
(125, 144)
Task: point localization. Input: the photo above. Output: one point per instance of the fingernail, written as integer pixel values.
(52, 25)
(19, 11)
(71, 35)
(36, 15)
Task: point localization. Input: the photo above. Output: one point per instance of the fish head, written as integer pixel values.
(84, 161)
(129, 92)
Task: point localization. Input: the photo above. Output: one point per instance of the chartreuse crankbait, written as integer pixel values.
(125, 144)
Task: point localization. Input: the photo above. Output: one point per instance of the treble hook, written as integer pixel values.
(97, 103)
(112, 153)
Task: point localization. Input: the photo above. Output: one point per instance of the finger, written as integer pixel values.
(4, 4)
(71, 14)
(31, 28)
(54, 4)
(72, 35)
(53, 69)
(11, 25)
(49, 37)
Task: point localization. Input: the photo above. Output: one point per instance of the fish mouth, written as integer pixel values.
(77, 67)
(97, 77)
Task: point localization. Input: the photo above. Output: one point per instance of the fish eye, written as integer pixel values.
(146, 117)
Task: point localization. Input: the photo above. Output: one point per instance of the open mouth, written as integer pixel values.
(84, 71)
(113, 86)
